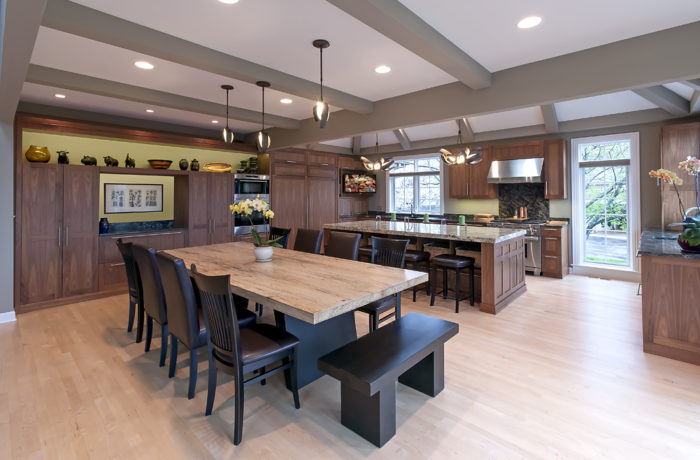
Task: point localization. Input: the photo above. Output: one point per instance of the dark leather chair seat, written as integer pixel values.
(452, 261)
(261, 341)
(246, 318)
(365, 251)
(416, 256)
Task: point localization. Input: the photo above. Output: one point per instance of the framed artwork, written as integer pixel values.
(120, 198)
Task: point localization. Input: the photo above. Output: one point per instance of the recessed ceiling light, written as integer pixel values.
(144, 65)
(60, 96)
(215, 121)
(285, 100)
(150, 110)
(529, 22)
(383, 69)
(229, 2)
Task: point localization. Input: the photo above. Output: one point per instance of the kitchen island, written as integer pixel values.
(670, 307)
(502, 252)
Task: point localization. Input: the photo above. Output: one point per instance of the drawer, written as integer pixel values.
(322, 159)
(322, 171)
(288, 169)
(551, 231)
(112, 276)
(551, 266)
(551, 246)
(289, 157)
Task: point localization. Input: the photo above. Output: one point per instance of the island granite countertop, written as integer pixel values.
(657, 242)
(469, 233)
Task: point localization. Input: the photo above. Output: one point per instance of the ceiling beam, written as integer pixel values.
(18, 30)
(467, 133)
(393, 20)
(573, 126)
(91, 85)
(403, 139)
(329, 148)
(695, 83)
(549, 114)
(85, 22)
(665, 99)
(695, 102)
(571, 76)
(356, 144)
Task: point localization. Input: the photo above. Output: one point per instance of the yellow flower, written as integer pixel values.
(269, 214)
(665, 175)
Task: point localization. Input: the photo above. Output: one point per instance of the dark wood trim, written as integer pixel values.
(29, 121)
(20, 309)
(142, 171)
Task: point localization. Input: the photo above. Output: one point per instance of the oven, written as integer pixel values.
(251, 184)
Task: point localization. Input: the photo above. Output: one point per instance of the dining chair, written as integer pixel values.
(153, 298)
(308, 240)
(391, 253)
(276, 232)
(241, 351)
(343, 245)
(134, 281)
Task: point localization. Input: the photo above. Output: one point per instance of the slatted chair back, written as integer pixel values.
(220, 316)
(183, 319)
(276, 232)
(132, 272)
(343, 245)
(151, 285)
(389, 252)
(308, 240)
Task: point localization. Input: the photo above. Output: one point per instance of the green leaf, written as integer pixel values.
(256, 237)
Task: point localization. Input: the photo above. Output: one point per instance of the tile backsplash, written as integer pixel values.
(513, 196)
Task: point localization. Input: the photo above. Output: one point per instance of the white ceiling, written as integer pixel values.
(432, 130)
(486, 30)
(528, 116)
(278, 34)
(607, 104)
(684, 91)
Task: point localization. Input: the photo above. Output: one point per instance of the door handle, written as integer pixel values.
(213, 225)
(59, 236)
(545, 188)
(307, 211)
(292, 162)
(66, 236)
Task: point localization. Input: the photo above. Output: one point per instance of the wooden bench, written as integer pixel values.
(410, 350)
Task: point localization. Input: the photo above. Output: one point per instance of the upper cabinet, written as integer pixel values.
(517, 151)
(469, 181)
(555, 169)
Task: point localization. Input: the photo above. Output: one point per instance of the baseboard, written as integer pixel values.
(7, 317)
(606, 273)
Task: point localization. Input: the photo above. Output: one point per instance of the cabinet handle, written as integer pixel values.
(549, 238)
(59, 237)
(213, 225)
(551, 257)
(117, 265)
(66, 236)
(291, 161)
(545, 188)
(307, 211)
(324, 164)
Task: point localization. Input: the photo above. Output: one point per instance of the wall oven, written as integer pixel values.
(251, 184)
(250, 187)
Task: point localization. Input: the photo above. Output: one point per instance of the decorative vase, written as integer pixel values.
(37, 154)
(194, 165)
(104, 225)
(184, 164)
(687, 247)
(263, 253)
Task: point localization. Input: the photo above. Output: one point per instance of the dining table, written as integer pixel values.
(313, 296)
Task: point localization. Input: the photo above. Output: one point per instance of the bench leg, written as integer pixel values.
(428, 375)
(372, 417)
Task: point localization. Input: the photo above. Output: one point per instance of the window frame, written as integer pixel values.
(578, 205)
(389, 186)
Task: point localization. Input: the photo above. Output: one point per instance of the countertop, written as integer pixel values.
(656, 242)
(151, 226)
(474, 234)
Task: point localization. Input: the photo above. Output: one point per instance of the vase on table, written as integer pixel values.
(104, 225)
(263, 253)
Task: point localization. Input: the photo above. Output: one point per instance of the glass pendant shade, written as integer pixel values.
(263, 141)
(321, 112)
(226, 133)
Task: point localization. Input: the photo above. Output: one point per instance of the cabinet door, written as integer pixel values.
(322, 210)
(80, 229)
(555, 169)
(220, 197)
(199, 223)
(288, 200)
(458, 176)
(40, 263)
(479, 186)
(533, 149)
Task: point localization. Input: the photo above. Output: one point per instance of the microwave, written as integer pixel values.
(251, 184)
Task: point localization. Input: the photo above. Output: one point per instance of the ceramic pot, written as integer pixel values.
(194, 166)
(37, 154)
(104, 225)
(184, 164)
(263, 253)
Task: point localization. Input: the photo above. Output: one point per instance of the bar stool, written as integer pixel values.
(456, 263)
(415, 258)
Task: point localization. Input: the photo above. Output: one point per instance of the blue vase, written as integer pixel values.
(104, 225)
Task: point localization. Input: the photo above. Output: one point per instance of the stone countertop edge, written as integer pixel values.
(478, 234)
(657, 242)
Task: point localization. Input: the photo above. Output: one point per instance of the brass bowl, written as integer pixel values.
(160, 164)
(37, 154)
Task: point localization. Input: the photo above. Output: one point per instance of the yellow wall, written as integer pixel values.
(98, 147)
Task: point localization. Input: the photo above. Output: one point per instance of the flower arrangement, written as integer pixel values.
(247, 208)
(692, 166)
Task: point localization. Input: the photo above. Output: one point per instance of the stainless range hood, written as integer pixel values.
(516, 171)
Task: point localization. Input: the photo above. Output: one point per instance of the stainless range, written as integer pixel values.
(533, 241)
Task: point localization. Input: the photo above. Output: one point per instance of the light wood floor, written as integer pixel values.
(560, 373)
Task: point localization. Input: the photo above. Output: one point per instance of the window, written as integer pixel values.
(415, 185)
(606, 201)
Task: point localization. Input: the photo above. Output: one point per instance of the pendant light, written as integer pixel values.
(263, 137)
(468, 156)
(320, 111)
(381, 164)
(226, 132)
